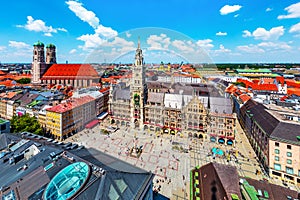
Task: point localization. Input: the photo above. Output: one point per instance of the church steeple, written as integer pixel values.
(139, 60)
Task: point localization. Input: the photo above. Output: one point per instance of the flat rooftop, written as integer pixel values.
(39, 167)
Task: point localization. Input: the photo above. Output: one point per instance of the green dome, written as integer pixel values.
(38, 43)
(50, 46)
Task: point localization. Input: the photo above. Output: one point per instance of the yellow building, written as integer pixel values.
(69, 117)
(3, 109)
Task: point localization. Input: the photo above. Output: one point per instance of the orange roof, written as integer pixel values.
(8, 95)
(267, 80)
(256, 86)
(104, 89)
(71, 71)
(231, 88)
(8, 83)
(244, 97)
(292, 83)
(2, 73)
(295, 91)
(15, 77)
(267, 87)
(280, 79)
(70, 104)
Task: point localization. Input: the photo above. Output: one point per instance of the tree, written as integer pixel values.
(26, 123)
(23, 81)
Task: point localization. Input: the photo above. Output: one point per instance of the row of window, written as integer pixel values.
(288, 161)
(288, 170)
(287, 146)
(288, 154)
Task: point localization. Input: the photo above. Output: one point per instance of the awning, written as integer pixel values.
(102, 115)
(92, 124)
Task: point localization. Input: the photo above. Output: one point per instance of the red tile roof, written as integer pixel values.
(267, 81)
(104, 89)
(295, 91)
(292, 83)
(70, 71)
(266, 87)
(14, 77)
(8, 95)
(8, 83)
(231, 88)
(70, 104)
(244, 97)
(280, 79)
(256, 86)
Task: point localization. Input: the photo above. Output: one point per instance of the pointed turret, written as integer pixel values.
(139, 60)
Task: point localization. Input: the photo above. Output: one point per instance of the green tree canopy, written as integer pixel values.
(26, 123)
(23, 80)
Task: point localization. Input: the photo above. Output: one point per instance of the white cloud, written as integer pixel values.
(62, 29)
(293, 12)
(158, 42)
(221, 33)
(106, 32)
(229, 9)
(269, 9)
(206, 44)
(128, 34)
(120, 45)
(91, 41)
(247, 33)
(40, 26)
(18, 45)
(262, 34)
(222, 49)
(275, 46)
(102, 33)
(236, 15)
(2, 48)
(48, 34)
(72, 51)
(182, 46)
(250, 49)
(295, 28)
(83, 14)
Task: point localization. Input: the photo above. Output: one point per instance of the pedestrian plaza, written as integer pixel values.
(170, 157)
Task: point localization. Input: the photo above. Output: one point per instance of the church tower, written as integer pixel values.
(38, 62)
(50, 54)
(137, 91)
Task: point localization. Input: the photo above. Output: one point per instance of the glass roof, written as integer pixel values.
(67, 182)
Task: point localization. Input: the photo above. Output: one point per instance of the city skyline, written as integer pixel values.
(196, 32)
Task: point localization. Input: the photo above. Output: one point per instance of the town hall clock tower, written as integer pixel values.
(137, 91)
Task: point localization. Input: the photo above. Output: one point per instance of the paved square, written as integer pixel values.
(153, 159)
(168, 164)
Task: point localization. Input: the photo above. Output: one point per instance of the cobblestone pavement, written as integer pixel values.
(245, 161)
(171, 166)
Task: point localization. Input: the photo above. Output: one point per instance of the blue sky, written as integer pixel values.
(171, 31)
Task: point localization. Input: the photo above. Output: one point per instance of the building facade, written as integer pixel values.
(171, 108)
(284, 154)
(69, 117)
(48, 72)
(274, 140)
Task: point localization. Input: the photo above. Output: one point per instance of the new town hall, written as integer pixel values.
(189, 110)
